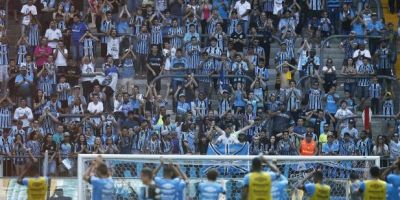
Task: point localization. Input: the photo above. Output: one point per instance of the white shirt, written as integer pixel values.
(227, 140)
(168, 54)
(95, 107)
(242, 8)
(60, 59)
(87, 69)
(342, 113)
(19, 112)
(113, 47)
(26, 9)
(53, 35)
(364, 53)
(394, 149)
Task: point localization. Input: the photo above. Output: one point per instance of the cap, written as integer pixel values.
(182, 95)
(329, 134)
(22, 64)
(22, 67)
(225, 91)
(352, 32)
(388, 94)
(283, 43)
(77, 86)
(326, 125)
(66, 134)
(351, 121)
(373, 14)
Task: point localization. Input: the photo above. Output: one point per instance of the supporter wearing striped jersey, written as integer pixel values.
(63, 89)
(317, 190)
(233, 21)
(214, 51)
(220, 36)
(388, 105)
(22, 45)
(193, 50)
(106, 26)
(213, 21)
(6, 110)
(173, 182)
(156, 31)
(210, 189)
(175, 33)
(375, 94)
(258, 184)
(88, 42)
(315, 97)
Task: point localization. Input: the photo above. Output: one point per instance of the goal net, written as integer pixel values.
(126, 172)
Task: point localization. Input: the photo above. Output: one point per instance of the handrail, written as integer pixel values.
(353, 76)
(199, 76)
(321, 50)
(201, 35)
(373, 116)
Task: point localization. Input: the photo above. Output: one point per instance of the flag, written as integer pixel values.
(366, 118)
(230, 167)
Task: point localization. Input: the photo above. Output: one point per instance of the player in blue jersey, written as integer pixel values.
(149, 190)
(374, 188)
(210, 190)
(317, 190)
(173, 182)
(393, 178)
(279, 188)
(99, 177)
(258, 184)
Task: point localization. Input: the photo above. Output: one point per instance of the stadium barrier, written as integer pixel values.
(8, 164)
(232, 168)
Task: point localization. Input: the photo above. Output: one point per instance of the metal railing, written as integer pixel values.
(326, 40)
(159, 77)
(341, 78)
(8, 164)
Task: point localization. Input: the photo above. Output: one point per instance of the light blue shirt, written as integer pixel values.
(210, 190)
(171, 189)
(330, 148)
(394, 179)
(20, 78)
(279, 189)
(374, 28)
(103, 188)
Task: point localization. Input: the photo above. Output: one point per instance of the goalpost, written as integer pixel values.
(232, 168)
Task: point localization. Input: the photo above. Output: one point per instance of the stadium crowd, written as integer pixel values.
(83, 78)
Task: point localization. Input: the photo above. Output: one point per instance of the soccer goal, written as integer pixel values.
(126, 171)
